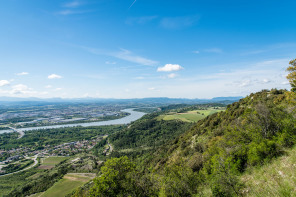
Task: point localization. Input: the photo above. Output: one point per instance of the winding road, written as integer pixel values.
(21, 133)
(34, 164)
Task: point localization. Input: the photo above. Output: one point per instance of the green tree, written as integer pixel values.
(292, 74)
(116, 179)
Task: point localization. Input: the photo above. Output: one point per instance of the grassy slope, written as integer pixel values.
(190, 116)
(52, 161)
(66, 185)
(7, 183)
(275, 179)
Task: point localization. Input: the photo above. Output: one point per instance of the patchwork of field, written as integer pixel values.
(190, 116)
(50, 162)
(67, 184)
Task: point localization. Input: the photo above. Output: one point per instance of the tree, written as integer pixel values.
(292, 74)
(116, 179)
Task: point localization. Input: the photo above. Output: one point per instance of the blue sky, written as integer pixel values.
(144, 48)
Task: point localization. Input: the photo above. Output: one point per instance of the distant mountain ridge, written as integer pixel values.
(167, 100)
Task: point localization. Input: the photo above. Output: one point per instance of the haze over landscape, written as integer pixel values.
(144, 48)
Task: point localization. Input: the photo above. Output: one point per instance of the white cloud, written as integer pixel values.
(140, 78)
(245, 83)
(285, 83)
(54, 76)
(169, 68)
(21, 89)
(86, 95)
(172, 75)
(58, 89)
(48, 86)
(153, 89)
(43, 93)
(22, 73)
(266, 81)
(113, 63)
(4, 83)
(213, 50)
(196, 52)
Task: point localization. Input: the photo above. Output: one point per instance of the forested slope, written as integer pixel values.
(210, 158)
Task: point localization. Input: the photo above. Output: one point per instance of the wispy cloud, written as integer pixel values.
(48, 86)
(22, 73)
(72, 8)
(123, 54)
(132, 4)
(54, 76)
(179, 22)
(172, 75)
(213, 50)
(129, 56)
(269, 48)
(112, 63)
(266, 81)
(72, 4)
(71, 12)
(196, 52)
(140, 78)
(169, 68)
(140, 20)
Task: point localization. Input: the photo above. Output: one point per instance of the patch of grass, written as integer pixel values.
(190, 116)
(52, 161)
(68, 184)
(8, 183)
(275, 179)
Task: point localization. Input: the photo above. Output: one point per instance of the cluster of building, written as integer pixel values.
(65, 149)
(55, 114)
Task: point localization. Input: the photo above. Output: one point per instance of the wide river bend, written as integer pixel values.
(134, 115)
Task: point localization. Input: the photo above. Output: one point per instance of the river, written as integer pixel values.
(134, 115)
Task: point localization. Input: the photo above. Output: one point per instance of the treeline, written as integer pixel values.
(38, 139)
(185, 107)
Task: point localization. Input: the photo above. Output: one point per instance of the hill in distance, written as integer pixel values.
(153, 100)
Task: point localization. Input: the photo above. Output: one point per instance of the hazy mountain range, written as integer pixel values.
(152, 100)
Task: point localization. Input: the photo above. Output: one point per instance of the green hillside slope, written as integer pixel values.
(211, 157)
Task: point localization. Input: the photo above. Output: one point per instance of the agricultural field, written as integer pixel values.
(67, 185)
(190, 116)
(50, 162)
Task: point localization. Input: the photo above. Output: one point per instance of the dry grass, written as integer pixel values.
(275, 179)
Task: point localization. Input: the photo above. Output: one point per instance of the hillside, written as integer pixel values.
(212, 157)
